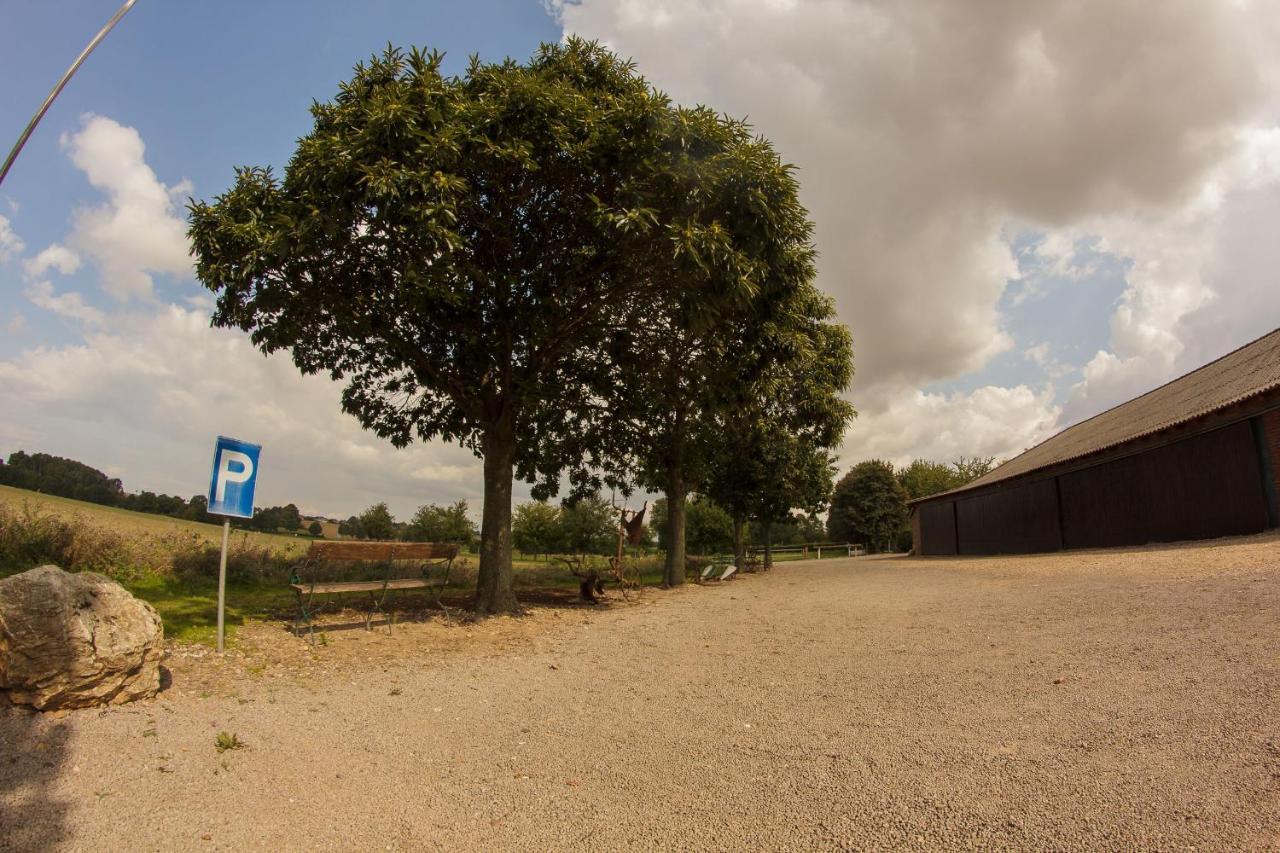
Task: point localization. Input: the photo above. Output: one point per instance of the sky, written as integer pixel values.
(1027, 211)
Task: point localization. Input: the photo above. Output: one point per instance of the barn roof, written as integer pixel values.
(1246, 372)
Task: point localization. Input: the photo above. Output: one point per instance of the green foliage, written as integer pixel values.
(432, 523)
(923, 478)
(708, 527)
(315, 528)
(969, 470)
(29, 538)
(227, 741)
(55, 475)
(868, 506)
(276, 518)
(589, 525)
(456, 248)
(67, 478)
(376, 522)
(535, 528)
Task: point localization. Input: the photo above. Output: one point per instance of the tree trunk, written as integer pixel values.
(673, 573)
(494, 584)
(739, 542)
(768, 545)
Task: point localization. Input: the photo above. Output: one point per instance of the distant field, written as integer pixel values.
(125, 521)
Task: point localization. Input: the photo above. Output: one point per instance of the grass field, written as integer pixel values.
(187, 604)
(187, 600)
(126, 521)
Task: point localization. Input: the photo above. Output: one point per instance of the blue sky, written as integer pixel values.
(208, 86)
(1022, 219)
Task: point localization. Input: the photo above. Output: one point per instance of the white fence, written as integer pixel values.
(850, 549)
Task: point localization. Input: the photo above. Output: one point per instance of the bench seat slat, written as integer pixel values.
(378, 551)
(359, 586)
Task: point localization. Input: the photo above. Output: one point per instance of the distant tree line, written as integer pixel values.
(431, 523)
(68, 478)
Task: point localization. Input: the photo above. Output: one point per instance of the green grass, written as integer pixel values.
(189, 608)
(128, 521)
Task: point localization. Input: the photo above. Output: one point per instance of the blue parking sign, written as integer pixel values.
(235, 473)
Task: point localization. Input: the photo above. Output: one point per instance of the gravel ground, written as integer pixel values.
(1121, 699)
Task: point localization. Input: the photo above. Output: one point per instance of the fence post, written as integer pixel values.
(819, 552)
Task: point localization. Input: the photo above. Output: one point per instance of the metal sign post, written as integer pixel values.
(235, 475)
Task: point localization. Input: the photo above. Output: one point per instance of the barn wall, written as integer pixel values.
(1267, 434)
(935, 528)
(1202, 487)
(1014, 520)
(1209, 485)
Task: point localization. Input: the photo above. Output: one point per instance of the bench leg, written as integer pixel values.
(303, 619)
(377, 601)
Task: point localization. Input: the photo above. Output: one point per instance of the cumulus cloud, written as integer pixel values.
(990, 421)
(137, 231)
(146, 386)
(69, 305)
(53, 257)
(10, 243)
(147, 393)
(925, 131)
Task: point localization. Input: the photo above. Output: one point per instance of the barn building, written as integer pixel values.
(1194, 459)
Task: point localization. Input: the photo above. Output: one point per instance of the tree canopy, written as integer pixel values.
(869, 506)
(476, 257)
(433, 523)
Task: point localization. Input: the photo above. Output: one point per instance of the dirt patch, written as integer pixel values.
(1098, 700)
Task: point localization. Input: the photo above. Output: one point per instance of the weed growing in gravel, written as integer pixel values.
(226, 741)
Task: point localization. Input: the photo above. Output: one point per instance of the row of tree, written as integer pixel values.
(869, 505)
(431, 523)
(551, 264)
(68, 478)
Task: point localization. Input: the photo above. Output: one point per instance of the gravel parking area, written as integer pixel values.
(1120, 699)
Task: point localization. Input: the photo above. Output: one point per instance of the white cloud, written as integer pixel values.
(924, 130)
(1038, 354)
(147, 392)
(137, 232)
(990, 421)
(10, 243)
(69, 305)
(54, 256)
(17, 324)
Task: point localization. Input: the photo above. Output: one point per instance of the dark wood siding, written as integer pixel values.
(1014, 520)
(937, 522)
(1198, 488)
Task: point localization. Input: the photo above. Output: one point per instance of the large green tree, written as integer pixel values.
(687, 370)
(771, 452)
(869, 506)
(434, 523)
(456, 248)
(376, 522)
(535, 528)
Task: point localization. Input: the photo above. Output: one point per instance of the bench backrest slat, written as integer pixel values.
(381, 550)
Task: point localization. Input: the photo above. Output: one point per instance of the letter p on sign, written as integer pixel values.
(235, 470)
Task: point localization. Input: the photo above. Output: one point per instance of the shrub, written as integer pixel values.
(245, 562)
(29, 538)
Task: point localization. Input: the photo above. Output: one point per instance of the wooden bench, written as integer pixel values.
(383, 569)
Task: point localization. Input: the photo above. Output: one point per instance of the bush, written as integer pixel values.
(245, 563)
(30, 538)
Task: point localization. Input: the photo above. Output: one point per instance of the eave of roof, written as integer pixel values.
(1242, 374)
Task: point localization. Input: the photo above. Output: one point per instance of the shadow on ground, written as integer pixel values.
(33, 754)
